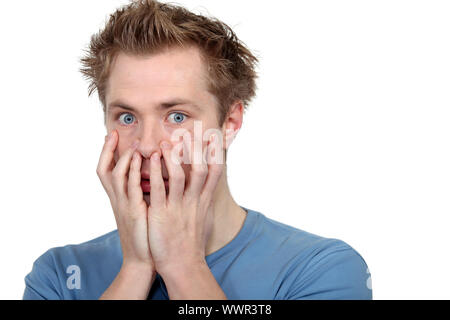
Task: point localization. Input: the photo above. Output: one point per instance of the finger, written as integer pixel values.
(199, 169)
(176, 173)
(215, 169)
(119, 173)
(157, 189)
(106, 163)
(135, 193)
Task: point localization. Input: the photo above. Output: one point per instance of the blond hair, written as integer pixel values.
(146, 27)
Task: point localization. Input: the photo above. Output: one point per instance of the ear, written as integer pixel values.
(232, 123)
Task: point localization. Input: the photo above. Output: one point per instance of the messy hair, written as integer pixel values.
(147, 27)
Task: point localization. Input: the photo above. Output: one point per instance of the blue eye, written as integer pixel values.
(128, 117)
(178, 117)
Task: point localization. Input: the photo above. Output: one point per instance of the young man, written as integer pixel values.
(162, 73)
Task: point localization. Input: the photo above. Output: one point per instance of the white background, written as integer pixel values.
(348, 137)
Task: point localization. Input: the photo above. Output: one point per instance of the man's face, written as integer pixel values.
(175, 78)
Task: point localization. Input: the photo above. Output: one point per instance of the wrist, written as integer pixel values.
(182, 268)
(137, 268)
(133, 281)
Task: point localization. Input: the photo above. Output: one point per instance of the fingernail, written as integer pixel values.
(109, 136)
(165, 145)
(155, 156)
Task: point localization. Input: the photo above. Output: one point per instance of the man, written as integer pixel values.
(163, 73)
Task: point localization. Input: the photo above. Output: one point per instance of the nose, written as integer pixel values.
(150, 135)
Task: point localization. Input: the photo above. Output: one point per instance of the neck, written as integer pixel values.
(228, 216)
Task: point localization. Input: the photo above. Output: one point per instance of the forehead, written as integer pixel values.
(176, 72)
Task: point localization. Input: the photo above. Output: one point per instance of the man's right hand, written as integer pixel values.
(130, 211)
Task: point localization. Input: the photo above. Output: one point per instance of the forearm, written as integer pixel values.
(193, 282)
(131, 283)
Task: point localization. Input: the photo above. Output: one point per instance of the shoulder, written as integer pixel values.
(84, 253)
(317, 267)
(48, 277)
(290, 239)
(334, 270)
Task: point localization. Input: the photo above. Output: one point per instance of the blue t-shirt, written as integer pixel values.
(267, 260)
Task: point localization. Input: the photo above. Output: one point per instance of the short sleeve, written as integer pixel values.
(42, 282)
(333, 274)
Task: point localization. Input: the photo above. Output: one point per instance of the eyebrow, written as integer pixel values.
(163, 106)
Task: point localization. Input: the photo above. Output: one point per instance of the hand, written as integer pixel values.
(180, 223)
(122, 184)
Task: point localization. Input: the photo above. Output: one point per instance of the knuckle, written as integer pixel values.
(191, 202)
(200, 170)
(99, 169)
(216, 170)
(101, 176)
(116, 174)
(132, 184)
(178, 178)
(133, 165)
(178, 174)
